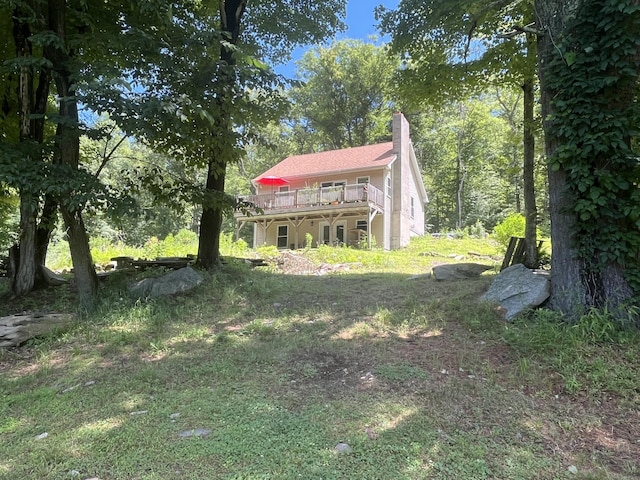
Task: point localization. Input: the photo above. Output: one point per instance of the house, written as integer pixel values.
(356, 196)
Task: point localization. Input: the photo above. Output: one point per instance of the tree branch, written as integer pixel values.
(106, 158)
(519, 30)
(476, 18)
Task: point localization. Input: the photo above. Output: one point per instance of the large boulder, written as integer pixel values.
(517, 289)
(458, 271)
(173, 282)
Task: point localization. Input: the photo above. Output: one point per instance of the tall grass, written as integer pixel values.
(183, 243)
(597, 355)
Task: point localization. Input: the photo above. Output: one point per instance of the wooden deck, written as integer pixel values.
(341, 197)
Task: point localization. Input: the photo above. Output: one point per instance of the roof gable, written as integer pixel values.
(357, 158)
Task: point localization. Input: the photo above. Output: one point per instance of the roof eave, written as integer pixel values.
(336, 172)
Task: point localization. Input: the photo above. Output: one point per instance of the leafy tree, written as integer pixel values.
(52, 51)
(21, 142)
(454, 49)
(207, 89)
(589, 74)
(344, 98)
(294, 22)
(60, 53)
(115, 159)
(463, 151)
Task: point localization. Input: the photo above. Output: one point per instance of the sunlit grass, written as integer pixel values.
(418, 377)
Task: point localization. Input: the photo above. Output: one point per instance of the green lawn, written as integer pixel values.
(259, 374)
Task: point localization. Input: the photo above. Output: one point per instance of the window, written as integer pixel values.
(389, 186)
(332, 191)
(283, 236)
(361, 225)
(339, 236)
(325, 234)
(413, 208)
(284, 188)
(361, 180)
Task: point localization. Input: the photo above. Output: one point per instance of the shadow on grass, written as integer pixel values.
(277, 370)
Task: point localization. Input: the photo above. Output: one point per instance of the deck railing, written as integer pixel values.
(309, 197)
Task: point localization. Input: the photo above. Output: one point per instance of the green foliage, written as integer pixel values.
(343, 100)
(594, 77)
(268, 252)
(344, 254)
(571, 348)
(308, 241)
(9, 219)
(512, 226)
(231, 247)
(465, 147)
(103, 249)
(460, 51)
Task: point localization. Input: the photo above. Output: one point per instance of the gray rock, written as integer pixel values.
(196, 432)
(517, 289)
(420, 276)
(458, 271)
(343, 448)
(173, 282)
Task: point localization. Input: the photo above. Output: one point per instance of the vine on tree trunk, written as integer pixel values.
(596, 117)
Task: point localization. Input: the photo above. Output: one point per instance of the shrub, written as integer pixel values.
(231, 248)
(512, 226)
(308, 241)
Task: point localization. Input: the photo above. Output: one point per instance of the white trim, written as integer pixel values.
(332, 183)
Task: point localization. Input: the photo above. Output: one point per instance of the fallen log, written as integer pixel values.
(17, 329)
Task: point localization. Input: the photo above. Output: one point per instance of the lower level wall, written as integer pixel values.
(345, 231)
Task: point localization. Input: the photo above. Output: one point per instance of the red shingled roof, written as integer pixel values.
(356, 158)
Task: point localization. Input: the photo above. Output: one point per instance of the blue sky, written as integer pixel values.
(360, 18)
(361, 24)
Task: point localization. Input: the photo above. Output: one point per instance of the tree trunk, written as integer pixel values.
(211, 222)
(24, 259)
(30, 253)
(24, 266)
(587, 266)
(231, 12)
(68, 153)
(460, 170)
(84, 272)
(530, 209)
(568, 294)
(47, 224)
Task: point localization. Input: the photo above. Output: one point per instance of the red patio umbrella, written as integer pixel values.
(272, 180)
